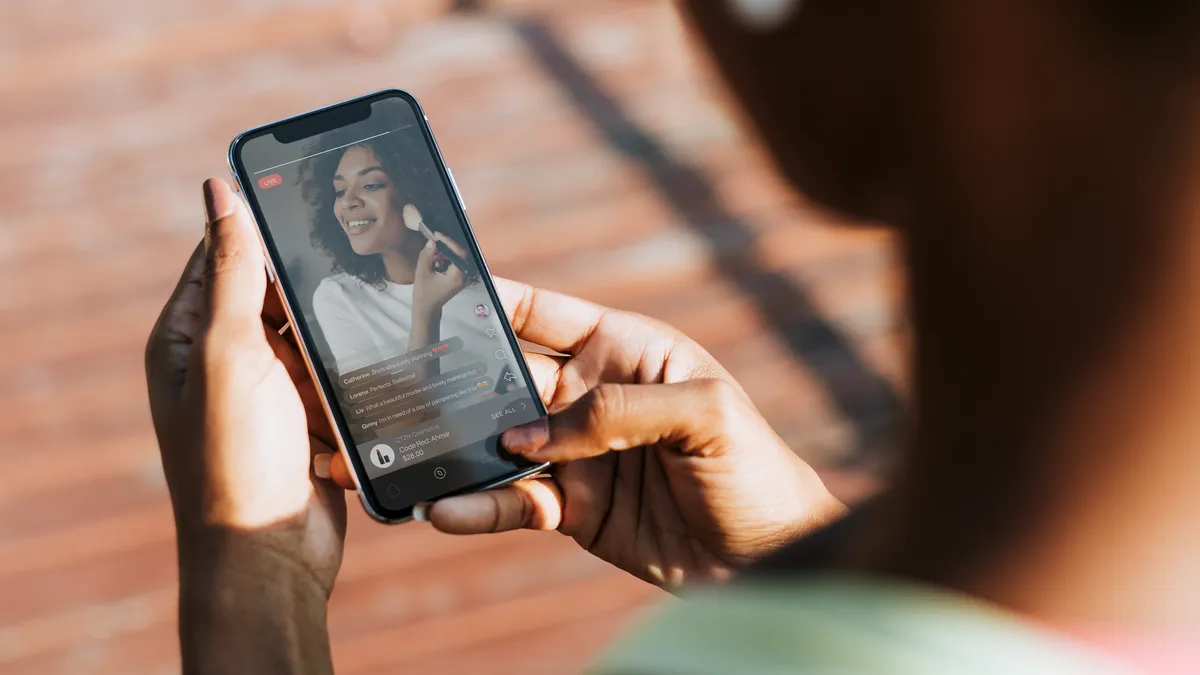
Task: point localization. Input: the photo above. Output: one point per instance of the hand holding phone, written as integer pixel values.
(635, 397)
(237, 421)
(392, 302)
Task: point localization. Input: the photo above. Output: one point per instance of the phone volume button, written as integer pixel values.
(457, 193)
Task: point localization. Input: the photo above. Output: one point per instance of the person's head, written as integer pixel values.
(364, 202)
(855, 96)
(358, 195)
(1037, 158)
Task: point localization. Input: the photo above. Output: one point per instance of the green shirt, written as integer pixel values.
(842, 625)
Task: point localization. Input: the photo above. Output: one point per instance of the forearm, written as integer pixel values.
(244, 608)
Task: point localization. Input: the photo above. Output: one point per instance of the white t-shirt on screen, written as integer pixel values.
(364, 324)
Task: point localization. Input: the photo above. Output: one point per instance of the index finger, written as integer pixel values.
(561, 322)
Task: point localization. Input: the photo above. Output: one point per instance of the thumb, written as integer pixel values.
(169, 347)
(535, 504)
(234, 271)
(696, 416)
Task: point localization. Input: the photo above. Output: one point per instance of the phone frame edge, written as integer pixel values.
(460, 205)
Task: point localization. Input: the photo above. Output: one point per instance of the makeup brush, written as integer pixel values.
(414, 222)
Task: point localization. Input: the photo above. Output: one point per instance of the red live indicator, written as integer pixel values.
(270, 181)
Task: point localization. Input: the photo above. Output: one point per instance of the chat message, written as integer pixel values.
(378, 387)
(362, 378)
(441, 390)
(376, 405)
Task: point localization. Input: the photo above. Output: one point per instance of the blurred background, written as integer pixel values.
(598, 157)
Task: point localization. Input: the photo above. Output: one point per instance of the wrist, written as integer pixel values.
(211, 556)
(239, 593)
(427, 313)
(816, 508)
(809, 507)
(426, 323)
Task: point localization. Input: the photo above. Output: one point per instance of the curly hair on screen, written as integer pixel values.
(406, 160)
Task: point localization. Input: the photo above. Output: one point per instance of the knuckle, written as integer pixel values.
(221, 262)
(525, 509)
(605, 403)
(660, 330)
(498, 511)
(698, 362)
(227, 251)
(524, 307)
(720, 401)
(716, 390)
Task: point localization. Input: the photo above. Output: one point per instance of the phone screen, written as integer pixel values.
(407, 337)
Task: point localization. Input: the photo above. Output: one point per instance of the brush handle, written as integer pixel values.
(454, 258)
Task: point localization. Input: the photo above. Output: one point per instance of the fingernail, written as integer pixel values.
(527, 438)
(421, 511)
(218, 200)
(321, 464)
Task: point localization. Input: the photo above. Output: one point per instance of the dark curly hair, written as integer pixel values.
(406, 160)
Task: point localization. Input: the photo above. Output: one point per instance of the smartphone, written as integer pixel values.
(392, 303)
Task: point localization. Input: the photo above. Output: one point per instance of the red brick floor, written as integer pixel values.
(596, 158)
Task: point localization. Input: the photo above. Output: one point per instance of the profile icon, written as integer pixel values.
(382, 456)
(481, 311)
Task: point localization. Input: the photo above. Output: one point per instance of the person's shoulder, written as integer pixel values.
(336, 289)
(828, 623)
(339, 285)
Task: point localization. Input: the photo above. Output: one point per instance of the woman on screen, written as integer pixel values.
(392, 291)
